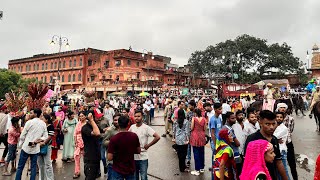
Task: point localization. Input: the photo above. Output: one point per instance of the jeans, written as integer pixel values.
(189, 153)
(91, 170)
(45, 166)
(4, 140)
(22, 162)
(12, 152)
(198, 154)
(284, 162)
(151, 113)
(182, 153)
(118, 176)
(103, 154)
(292, 161)
(110, 171)
(213, 148)
(141, 169)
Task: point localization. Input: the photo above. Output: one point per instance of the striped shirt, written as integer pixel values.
(34, 129)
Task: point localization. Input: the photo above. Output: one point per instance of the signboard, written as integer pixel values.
(185, 91)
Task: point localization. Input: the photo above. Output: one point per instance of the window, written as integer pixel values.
(129, 62)
(69, 78)
(34, 67)
(118, 63)
(74, 63)
(42, 66)
(45, 79)
(64, 64)
(26, 68)
(79, 77)
(29, 67)
(138, 75)
(55, 65)
(37, 66)
(92, 78)
(70, 63)
(106, 64)
(46, 66)
(138, 64)
(59, 64)
(51, 65)
(62, 78)
(80, 63)
(21, 68)
(73, 77)
(89, 62)
(51, 79)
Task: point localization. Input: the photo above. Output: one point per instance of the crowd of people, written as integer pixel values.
(246, 143)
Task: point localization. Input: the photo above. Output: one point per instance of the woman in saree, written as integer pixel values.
(68, 128)
(224, 167)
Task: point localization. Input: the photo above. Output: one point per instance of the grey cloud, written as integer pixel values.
(174, 28)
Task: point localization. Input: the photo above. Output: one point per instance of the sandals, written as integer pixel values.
(6, 174)
(76, 176)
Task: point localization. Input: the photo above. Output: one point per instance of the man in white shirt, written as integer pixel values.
(108, 113)
(250, 125)
(225, 108)
(143, 131)
(34, 131)
(4, 119)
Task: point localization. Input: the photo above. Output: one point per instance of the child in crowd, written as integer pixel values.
(13, 137)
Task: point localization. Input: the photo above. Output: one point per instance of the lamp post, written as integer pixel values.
(60, 41)
(152, 57)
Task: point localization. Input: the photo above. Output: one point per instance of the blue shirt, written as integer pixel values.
(216, 124)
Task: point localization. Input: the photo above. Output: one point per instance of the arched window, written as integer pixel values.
(69, 78)
(70, 63)
(79, 77)
(55, 65)
(59, 64)
(42, 66)
(51, 65)
(64, 64)
(46, 66)
(45, 79)
(37, 66)
(34, 67)
(62, 78)
(80, 63)
(75, 62)
(73, 78)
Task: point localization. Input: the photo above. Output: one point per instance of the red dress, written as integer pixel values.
(198, 136)
(317, 171)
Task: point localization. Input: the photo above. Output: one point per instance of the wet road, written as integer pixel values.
(163, 161)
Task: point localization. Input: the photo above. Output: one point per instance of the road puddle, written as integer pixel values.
(305, 162)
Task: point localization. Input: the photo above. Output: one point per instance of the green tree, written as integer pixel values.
(10, 80)
(249, 57)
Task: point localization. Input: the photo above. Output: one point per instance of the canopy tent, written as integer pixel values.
(118, 94)
(275, 83)
(144, 94)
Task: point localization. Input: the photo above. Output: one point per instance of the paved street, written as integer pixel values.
(163, 161)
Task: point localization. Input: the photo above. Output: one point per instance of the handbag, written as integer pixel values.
(44, 150)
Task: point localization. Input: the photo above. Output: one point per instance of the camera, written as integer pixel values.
(31, 144)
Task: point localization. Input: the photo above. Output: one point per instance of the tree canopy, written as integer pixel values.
(247, 58)
(10, 80)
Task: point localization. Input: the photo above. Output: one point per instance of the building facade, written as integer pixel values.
(106, 71)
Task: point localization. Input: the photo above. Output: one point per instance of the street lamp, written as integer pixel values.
(60, 41)
(152, 57)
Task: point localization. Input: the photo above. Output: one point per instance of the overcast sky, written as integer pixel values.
(173, 28)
